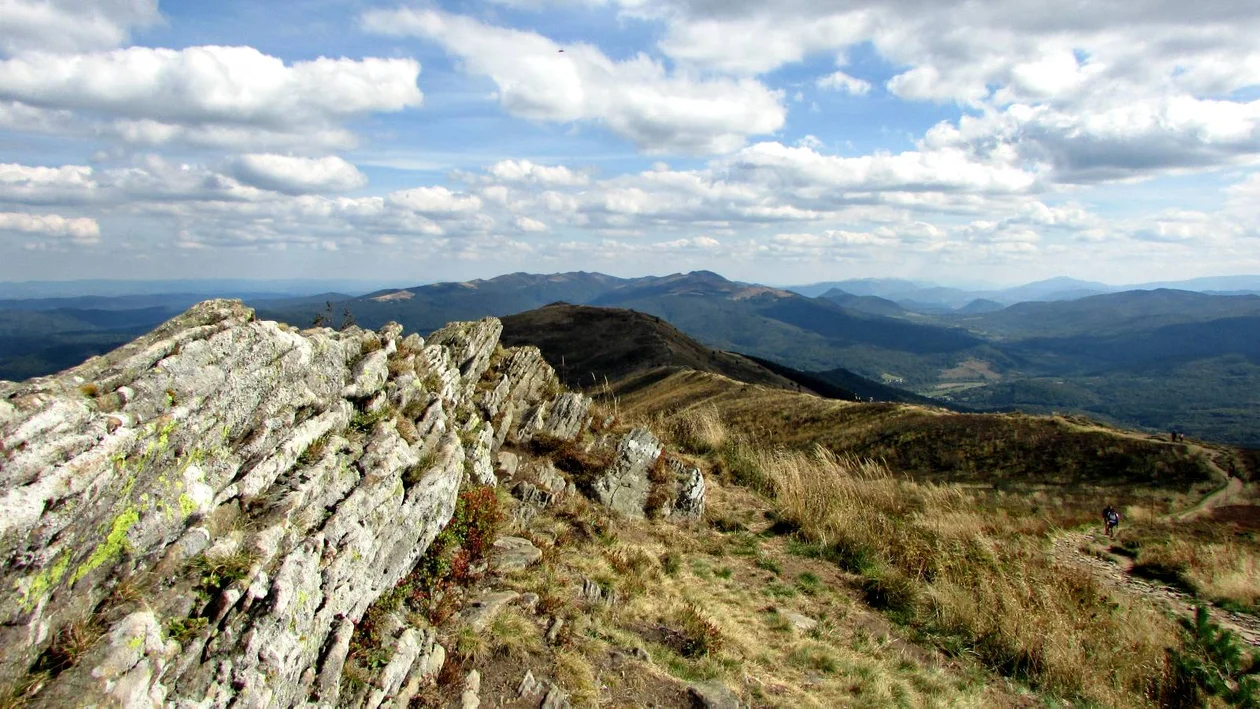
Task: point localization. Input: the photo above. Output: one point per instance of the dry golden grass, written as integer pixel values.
(514, 635)
(935, 561)
(696, 430)
(575, 673)
(1208, 560)
(927, 442)
(702, 605)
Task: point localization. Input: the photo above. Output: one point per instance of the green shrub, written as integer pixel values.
(1213, 663)
(365, 421)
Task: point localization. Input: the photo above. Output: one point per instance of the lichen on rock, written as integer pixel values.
(236, 494)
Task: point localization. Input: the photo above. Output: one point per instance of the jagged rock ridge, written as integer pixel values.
(225, 497)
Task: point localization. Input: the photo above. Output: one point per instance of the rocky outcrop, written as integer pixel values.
(221, 501)
(682, 492)
(564, 418)
(625, 486)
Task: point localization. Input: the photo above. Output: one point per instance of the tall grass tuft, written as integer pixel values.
(697, 430)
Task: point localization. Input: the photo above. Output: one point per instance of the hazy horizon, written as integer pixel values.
(352, 286)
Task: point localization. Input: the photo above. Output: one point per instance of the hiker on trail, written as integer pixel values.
(1111, 519)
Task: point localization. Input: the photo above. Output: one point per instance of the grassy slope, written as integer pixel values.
(927, 443)
(586, 344)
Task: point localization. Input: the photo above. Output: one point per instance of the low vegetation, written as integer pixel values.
(966, 569)
(1218, 563)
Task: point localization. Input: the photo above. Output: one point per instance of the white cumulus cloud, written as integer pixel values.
(158, 95)
(526, 171)
(295, 175)
(842, 82)
(636, 98)
(434, 201)
(528, 224)
(71, 25)
(80, 230)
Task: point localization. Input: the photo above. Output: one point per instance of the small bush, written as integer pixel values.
(89, 390)
(700, 636)
(567, 456)
(315, 450)
(219, 572)
(181, 630)
(399, 365)
(470, 645)
(69, 645)
(365, 421)
(407, 430)
(814, 657)
(768, 564)
(1214, 663)
(416, 473)
(809, 583)
(514, 636)
(671, 563)
(699, 430)
(893, 592)
(738, 462)
(432, 382)
(415, 408)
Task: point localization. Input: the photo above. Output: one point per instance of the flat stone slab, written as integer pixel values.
(712, 695)
(803, 624)
(514, 554)
(481, 611)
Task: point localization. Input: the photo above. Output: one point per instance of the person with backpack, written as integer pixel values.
(1111, 519)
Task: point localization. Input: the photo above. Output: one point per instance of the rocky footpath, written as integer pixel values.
(203, 516)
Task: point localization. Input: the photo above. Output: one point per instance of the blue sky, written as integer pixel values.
(788, 142)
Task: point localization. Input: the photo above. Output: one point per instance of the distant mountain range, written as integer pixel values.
(1160, 358)
(932, 298)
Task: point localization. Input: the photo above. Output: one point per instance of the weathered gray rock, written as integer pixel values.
(550, 479)
(221, 438)
(683, 492)
(479, 452)
(556, 698)
(470, 698)
(391, 679)
(713, 695)
(481, 611)
(565, 418)
(592, 592)
(529, 493)
(529, 687)
(370, 375)
(509, 463)
(470, 346)
(424, 670)
(513, 554)
(624, 486)
(802, 623)
(553, 630)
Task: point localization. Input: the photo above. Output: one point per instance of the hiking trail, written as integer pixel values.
(1070, 548)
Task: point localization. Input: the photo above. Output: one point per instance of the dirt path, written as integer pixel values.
(1067, 550)
(1220, 498)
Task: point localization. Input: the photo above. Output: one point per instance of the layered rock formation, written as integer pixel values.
(201, 517)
